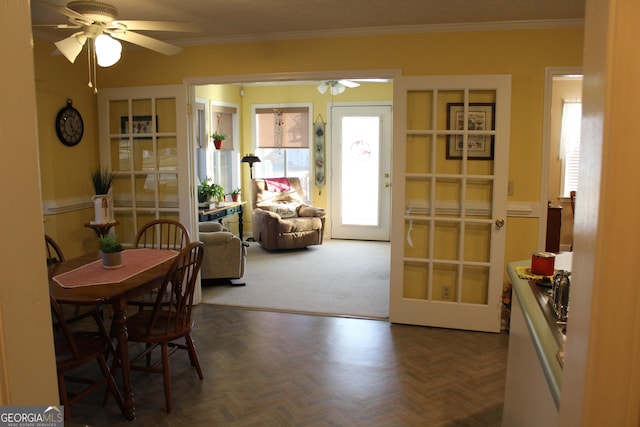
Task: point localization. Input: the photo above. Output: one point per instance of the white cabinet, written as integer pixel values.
(528, 400)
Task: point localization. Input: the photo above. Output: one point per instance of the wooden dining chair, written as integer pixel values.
(54, 252)
(73, 313)
(162, 234)
(74, 349)
(159, 234)
(167, 323)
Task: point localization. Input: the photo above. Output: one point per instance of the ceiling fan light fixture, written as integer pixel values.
(71, 46)
(322, 87)
(337, 88)
(108, 50)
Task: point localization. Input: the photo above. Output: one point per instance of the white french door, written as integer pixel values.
(361, 172)
(143, 141)
(451, 152)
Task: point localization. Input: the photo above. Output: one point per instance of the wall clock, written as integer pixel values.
(69, 125)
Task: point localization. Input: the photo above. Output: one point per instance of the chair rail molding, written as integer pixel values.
(421, 207)
(70, 204)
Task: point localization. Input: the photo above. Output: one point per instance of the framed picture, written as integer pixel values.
(481, 117)
(141, 124)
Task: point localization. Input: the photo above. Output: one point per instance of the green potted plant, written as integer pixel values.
(217, 139)
(102, 180)
(207, 190)
(218, 193)
(111, 251)
(235, 194)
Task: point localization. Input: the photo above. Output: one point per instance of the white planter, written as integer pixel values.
(102, 208)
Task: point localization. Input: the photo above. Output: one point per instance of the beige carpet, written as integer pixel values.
(340, 277)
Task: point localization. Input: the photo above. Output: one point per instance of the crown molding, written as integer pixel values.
(367, 31)
(373, 31)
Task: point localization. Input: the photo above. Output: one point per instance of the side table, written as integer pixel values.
(101, 229)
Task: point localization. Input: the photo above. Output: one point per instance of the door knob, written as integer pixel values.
(500, 222)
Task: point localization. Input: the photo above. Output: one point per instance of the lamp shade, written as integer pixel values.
(108, 50)
(72, 46)
(322, 87)
(251, 159)
(337, 88)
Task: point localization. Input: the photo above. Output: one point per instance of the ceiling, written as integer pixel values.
(225, 21)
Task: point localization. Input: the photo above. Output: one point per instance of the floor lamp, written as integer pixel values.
(251, 159)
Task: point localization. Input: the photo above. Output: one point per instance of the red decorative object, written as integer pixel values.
(217, 143)
(542, 263)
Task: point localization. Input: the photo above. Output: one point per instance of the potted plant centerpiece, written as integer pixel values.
(111, 251)
(235, 194)
(102, 180)
(217, 139)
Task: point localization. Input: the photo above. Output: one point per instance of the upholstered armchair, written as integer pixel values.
(280, 218)
(224, 254)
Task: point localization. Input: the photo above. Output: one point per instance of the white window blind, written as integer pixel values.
(282, 142)
(283, 127)
(570, 144)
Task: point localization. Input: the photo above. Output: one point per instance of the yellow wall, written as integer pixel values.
(522, 53)
(27, 358)
(66, 171)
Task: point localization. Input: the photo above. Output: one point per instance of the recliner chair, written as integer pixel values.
(281, 219)
(224, 254)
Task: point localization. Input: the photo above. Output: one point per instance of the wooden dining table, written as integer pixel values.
(83, 281)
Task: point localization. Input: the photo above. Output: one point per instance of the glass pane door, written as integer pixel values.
(452, 194)
(361, 178)
(143, 129)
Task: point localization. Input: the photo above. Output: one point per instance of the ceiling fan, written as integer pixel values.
(98, 24)
(336, 86)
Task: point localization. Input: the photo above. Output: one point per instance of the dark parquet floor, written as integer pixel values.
(280, 369)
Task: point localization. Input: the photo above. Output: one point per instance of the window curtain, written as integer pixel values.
(570, 127)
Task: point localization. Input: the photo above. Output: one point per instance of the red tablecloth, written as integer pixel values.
(133, 262)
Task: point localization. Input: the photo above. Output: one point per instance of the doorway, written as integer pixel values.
(361, 172)
(246, 86)
(561, 83)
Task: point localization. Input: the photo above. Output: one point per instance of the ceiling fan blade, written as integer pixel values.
(57, 26)
(349, 83)
(146, 41)
(177, 26)
(75, 16)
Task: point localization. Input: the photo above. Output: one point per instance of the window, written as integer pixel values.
(570, 145)
(223, 165)
(282, 136)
